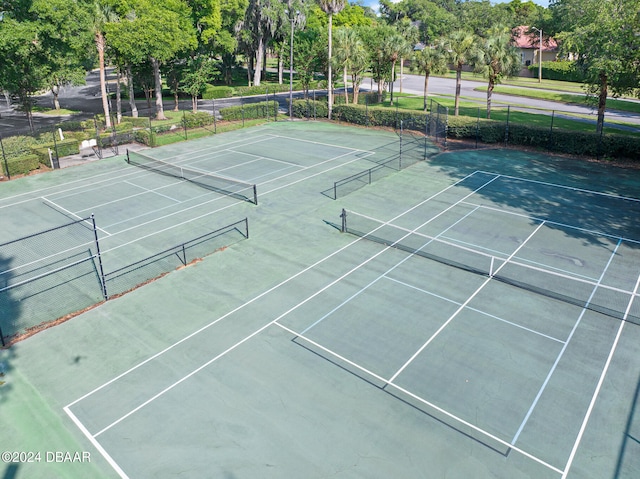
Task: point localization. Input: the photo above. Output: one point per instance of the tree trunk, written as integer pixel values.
(194, 103)
(393, 77)
(426, 89)
(356, 88)
(329, 86)
(250, 69)
(492, 84)
(118, 98)
(132, 98)
(458, 85)
(258, 66)
(103, 81)
(602, 102)
(55, 91)
(176, 100)
(346, 90)
(156, 75)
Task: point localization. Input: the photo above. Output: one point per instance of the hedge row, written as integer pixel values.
(263, 109)
(22, 165)
(486, 131)
(560, 70)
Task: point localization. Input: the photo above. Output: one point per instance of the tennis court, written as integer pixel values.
(472, 315)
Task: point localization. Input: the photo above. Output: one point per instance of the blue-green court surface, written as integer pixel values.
(469, 314)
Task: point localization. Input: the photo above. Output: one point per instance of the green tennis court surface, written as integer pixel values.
(474, 314)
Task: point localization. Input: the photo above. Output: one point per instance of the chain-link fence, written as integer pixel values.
(51, 275)
(417, 136)
(92, 138)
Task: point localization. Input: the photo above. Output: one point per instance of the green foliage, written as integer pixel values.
(262, 89)
(196, 120)
(263, 109)
(560, 70)
(23, 164)
(212, 91)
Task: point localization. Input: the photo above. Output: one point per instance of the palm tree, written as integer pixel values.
(396, 47)
(346, 40)
(430, 60)
(460, 45)
(102, 15)
(496, 58)
(330, 7)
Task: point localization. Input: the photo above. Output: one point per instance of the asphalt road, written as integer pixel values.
(86, 100)
(446, 86)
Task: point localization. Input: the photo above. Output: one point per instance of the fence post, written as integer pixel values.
(151, 136)
(446, 126)
(102, 278)
(599, 147)
(6, 168)
(366, 109)
(553, 113)
(425, 135)
(315, 112)
(213, 111)
(477, 128)
(506, 130)
(242, 108)
(56, 162)
(184, 123)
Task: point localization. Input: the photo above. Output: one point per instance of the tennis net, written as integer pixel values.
(579, 291)
(220, 184)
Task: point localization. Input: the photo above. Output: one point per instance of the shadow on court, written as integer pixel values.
(9, 306)
(597, 207)
(629, 455)
(11, 472)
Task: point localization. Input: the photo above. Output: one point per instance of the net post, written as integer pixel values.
(335, 190)
(128, 158)
(255, 194)
(246, 228)
(103, 282)
(343, 215)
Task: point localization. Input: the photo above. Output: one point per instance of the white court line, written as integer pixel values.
(596, 393)
(484, 313)
(58, 207)
(463, 305)
(221, 197)
(149, 190)
(572, 188)
(555, 223)
(423, 401)
(252, 300)
(87, 183)
(564, 348)
(96, 444)
(406, 258)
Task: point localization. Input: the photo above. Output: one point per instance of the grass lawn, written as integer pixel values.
(582, 99)
(473, 108)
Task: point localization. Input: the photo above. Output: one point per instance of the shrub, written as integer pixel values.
(23, 164)
(263, 109)
(560, 70)
(310, 108)
(262, 89)
(212, 92)
(198, 119)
